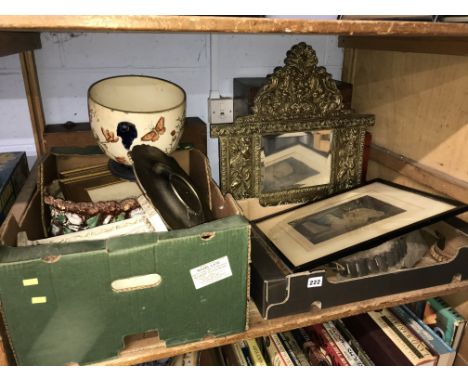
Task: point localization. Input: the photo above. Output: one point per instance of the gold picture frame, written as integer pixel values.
(298, 98)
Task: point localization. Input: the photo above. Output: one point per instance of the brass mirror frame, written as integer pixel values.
(298, 97)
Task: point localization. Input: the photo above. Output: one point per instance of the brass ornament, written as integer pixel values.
(298, 89)
(298, 97)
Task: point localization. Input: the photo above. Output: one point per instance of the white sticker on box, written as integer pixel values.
(314, 282)
(211, 272)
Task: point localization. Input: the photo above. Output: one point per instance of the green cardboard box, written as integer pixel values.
(58, 301)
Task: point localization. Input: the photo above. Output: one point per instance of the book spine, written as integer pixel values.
(399, 334)
(281, 350)
(344, 347)
(450, 321)
(245, 352)
(354, 343)
(274, 358)
(374, 341)
(332, 350)
(310, 348)
(255, 353)
(289, 350)
(239, 354)
(415, 343)
(190, 359)
(296, 349)
(446, 355)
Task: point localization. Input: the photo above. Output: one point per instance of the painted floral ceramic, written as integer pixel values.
(131, 110)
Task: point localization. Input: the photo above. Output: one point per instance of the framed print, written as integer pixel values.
(300, 144)
(354, 220)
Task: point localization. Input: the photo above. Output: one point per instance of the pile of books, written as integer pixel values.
(424, 333)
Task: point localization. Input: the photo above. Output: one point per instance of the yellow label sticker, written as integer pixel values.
(39, 300)
(29, 282)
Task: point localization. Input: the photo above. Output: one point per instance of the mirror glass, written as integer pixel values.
(295, 160)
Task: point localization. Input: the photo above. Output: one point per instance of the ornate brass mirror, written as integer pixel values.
(300, 144)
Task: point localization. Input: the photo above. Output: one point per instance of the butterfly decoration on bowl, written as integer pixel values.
(109, 136)
(154, 134)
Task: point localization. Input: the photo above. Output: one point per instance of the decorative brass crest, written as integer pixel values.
(299, 97)
(298, 89)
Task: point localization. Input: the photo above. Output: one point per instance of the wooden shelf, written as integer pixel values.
(17, 42)
(427, 37)
(141, 349)
(436, 45)
(230, 25)
(80, 135)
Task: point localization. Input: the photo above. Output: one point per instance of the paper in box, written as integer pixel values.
(60, 302)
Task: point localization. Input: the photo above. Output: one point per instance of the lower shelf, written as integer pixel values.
(140, 349)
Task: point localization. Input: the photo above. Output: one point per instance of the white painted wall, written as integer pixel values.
(69, 62)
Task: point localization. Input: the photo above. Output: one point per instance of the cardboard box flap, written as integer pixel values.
(205, 232)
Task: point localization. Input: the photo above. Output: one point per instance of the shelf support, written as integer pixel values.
(33, 94)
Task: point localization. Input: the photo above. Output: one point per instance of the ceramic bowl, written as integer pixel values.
(125, 111)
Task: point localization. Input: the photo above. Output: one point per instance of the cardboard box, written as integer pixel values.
(13, 173)
(59, 303)
(279, 292)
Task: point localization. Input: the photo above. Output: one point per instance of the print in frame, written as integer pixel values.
(300, 144)
(358, 219)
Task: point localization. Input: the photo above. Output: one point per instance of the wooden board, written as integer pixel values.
(142, 349)
(16, 42)
(420, 103)
(439, 45)
(33, 95)
(80, 135)
(230, 25)
(3, 355)
(377, 170)
(427, 176)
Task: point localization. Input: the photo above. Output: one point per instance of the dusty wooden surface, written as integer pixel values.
(16, 42)
(420, 103)
(229, 25)
(147, 349)
(3, 356)
(427, 176)
(439, 45)
(80, 135)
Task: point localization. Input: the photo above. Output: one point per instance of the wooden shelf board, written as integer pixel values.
(16, 42)
(230, 25)
(148, 349)
(80, 135)
(436, 45)
(437, 180)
